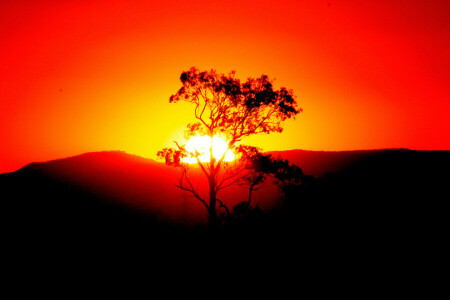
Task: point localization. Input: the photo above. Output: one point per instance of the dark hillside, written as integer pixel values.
(372, 196)
(317, 163)
(109, 192)
(355, 197)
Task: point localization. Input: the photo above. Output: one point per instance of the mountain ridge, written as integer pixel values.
(285, 154)
(106, 184)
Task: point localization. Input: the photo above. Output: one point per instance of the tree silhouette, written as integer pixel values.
(257, 169)
(225, 106)
(260, 167)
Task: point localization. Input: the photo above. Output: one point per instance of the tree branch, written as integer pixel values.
(193, 155)
(203, 110)
(224, 206)
(191, 188)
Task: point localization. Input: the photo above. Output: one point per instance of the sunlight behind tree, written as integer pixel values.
(202, 144)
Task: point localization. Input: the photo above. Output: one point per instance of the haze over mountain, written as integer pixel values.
(115, 187)
(318, 163)
(116, 193)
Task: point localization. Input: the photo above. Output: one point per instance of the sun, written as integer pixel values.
(202, 145)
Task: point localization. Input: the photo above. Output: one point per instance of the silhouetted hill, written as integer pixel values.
(375, 197)
(110, 192)
(356, 196)
(318, 163)
(388, 175)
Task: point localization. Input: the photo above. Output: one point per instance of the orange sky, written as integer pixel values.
(79, 76)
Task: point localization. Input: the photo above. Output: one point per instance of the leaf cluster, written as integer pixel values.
(171, 156)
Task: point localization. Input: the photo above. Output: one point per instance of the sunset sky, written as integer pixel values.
(81, 76)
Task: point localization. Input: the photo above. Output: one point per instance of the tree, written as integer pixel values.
(257, 168)
(260, 167)
(225, 106)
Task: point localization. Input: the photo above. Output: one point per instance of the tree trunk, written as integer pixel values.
(250, 195)
(212, 202)
(212, 186)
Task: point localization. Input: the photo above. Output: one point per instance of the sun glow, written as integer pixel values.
(202, 145)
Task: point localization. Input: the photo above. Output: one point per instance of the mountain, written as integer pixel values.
(397, 188)
(109, 192)
(118, 195)
(318, 163)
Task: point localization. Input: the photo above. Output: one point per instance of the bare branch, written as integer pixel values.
(224, 206)
(191, 188)
(234, 177)
(205, 99)
(182, 148)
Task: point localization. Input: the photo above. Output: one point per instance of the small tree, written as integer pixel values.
(257, 168)
(225, 106)
(260, 167)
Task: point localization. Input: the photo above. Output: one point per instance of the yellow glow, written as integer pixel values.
(202, 145)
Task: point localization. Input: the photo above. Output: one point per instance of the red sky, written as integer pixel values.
(79, 76)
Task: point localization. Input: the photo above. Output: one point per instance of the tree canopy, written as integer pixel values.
(225, 105)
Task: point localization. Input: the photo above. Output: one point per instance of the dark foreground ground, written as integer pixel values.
(381, 206)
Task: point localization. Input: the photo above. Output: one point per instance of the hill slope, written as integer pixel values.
(318, 163)
(104, 190)
(114, 193)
